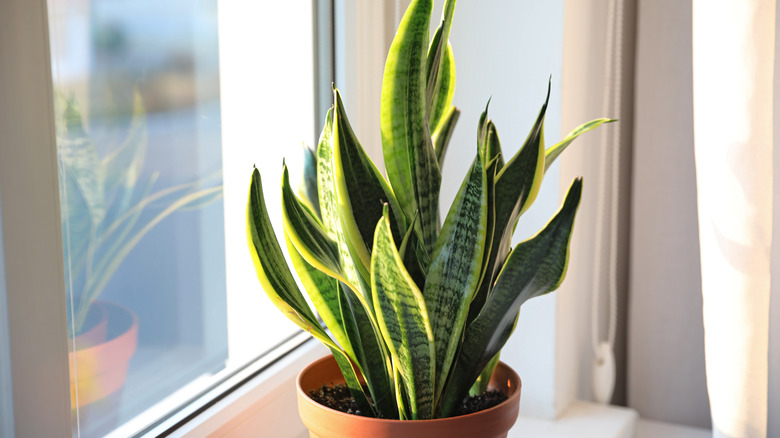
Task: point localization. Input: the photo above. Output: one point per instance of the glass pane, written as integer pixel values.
(158, 126)
(6, 395)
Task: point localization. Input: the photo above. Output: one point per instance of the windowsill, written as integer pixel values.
(652, 429)
(582, 420)
(267, 404)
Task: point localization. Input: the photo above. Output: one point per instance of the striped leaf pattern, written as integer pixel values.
(410, 160)
(361, 189)
(329, 204)
(440, 68)
(403, 320)
(535, 267)
(419, 312)
(442, 136)
(277, 281)
(455, 268)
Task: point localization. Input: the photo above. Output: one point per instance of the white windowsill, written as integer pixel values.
(581, 420)
(266, 406)
(655, 429)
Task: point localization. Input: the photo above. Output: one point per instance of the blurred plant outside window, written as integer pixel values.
(152, 194)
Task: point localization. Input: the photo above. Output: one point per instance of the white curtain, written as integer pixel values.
(733, 61)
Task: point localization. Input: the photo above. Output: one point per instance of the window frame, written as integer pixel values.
(35, 286)
(32, 232)
(31, 228)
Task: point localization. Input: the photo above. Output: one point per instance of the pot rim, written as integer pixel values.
(466, 417)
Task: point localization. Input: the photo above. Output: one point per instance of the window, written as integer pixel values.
(231, 128)
(161, 109)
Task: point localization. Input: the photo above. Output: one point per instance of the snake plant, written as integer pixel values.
(103, 201)
(416, 309)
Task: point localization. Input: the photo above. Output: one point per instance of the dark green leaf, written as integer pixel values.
(306, 233)
(361, 189)
(403, 321)
(443, 134)
(371, 355)
(410, 160)
(554, 151)
(279, 284)
(455, 268)
(440, 68)
(308, 189)
(535, 267)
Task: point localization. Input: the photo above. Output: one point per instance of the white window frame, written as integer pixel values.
(35, 286)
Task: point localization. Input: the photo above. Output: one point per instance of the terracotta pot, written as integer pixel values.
(95, 329)
(324, 422)
(100, 370)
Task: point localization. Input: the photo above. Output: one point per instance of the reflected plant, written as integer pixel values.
(417, 310)
(103, 199)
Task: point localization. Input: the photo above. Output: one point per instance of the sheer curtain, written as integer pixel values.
(700, 259)
(733, 61)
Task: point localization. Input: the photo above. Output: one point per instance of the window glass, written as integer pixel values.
(161, 110)
(6, 394)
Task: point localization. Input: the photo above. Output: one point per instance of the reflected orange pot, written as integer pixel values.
(324, 422)
(98, 367)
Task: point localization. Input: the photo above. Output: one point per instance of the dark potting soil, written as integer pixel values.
(336, 397)
(476, 403)
(339, 398)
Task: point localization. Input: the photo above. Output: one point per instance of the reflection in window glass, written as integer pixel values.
(6, 395)
(146, 222)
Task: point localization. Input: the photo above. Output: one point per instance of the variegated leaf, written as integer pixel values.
(403, 321)
(371, 355)
(306, 233)
(279, 284)
(455, 269)
(329, 206)
(556, 150)
(440, 68)
(443, 134)
(535, 267)
(361, 189)
(410, 160)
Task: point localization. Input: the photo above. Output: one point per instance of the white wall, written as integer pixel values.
(508, 49)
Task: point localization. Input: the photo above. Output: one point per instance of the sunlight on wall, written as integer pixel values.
(267, 100)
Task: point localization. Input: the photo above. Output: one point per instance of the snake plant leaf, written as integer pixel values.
(443, 134)
(440, 68)
(371, 355)
(306, 233)
(324, 294)
(493, 146)
(307, 190)
(403, 321)
(482, 130)
(280, 286)
(487, 262)
(124, 165)
(329, 206)
(109, 264)
(79, 157)
(410, 161)
(409, 252)
(326, 186)
(535, 267)
(481, 384)
(554, 151)
(455, 269)
(517, 185)
(360, 188)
